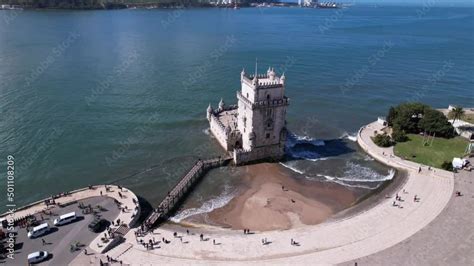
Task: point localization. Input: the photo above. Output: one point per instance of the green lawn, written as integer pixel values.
(441, 150)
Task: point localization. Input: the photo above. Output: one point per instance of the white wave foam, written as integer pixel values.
(294, 139)
(306, 155)
(206, 207)
(301, 152)
(351, 137)
(368, 158)
(380, 178)
(292, 168)
(317, 159)
(339, 181)
(359, 173)
(207, 131)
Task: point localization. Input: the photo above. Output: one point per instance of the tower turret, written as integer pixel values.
(255, 81)
(221, 105)
(271, 74)
(209, 112)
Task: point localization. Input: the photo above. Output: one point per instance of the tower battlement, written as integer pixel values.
(255, 128)
(262, 81)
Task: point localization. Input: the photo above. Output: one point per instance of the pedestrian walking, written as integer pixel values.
(43, 241)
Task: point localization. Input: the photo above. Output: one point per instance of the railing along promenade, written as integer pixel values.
(182, 187)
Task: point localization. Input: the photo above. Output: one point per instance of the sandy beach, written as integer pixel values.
(272, 199)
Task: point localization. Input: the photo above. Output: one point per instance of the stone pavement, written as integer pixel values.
(448, 240)
(60, 239)
(363, 234)
(128, 200)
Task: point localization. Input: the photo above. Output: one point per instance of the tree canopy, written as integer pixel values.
(418, 117)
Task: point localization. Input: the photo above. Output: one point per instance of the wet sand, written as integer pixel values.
(263, 204)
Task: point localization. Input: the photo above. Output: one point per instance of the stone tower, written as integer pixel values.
(262, 115)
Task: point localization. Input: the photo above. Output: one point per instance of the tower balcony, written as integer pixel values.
(262, 104)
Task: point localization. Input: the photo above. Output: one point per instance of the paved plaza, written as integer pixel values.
(448, 240)
(60, 239)
(115, 202)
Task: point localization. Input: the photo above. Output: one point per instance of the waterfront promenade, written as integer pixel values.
(368, 232)
(128, 201)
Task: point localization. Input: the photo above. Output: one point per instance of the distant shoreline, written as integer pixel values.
(146, 6)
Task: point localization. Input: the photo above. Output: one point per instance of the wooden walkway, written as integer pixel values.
(182, 187)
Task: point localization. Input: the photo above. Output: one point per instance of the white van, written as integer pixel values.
(38, 230)
(65, 218)
(37, 256)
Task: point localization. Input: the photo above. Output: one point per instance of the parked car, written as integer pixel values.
(65, 219)
(39, 230)
(37, 256)
(98, 225)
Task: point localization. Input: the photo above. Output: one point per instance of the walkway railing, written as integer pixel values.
(182, 187)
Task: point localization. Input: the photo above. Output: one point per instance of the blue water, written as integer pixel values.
(89, 97)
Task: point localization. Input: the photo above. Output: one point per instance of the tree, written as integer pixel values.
(399, 135)
(383, 140)
(392, 113)
(416, 117)
(456, 113)
(407, 116)
(447, 166)
(435, 122)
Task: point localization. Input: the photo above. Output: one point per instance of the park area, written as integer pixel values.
(434, 152)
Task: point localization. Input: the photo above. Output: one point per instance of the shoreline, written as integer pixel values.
(274, 200)
(316, 202)
(351, 237)
(150, 6)
(385, 190)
